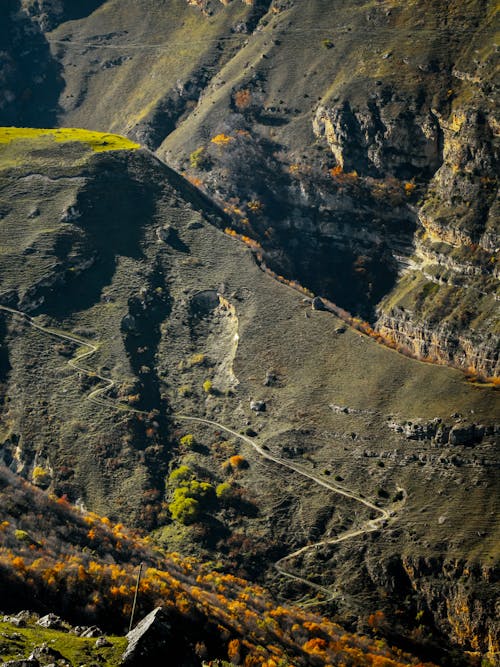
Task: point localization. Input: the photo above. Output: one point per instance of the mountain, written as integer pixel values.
(236, 353)
(86, 566)
(361, 139)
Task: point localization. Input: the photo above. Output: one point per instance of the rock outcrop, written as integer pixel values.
(151, 642)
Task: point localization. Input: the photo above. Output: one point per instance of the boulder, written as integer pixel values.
(26, 615)
(318, 304)
(462, 434)
(15, 620)
(270, 379)
(164, 233)
(195, 225)
(102, 642)
(149, 641)
(92, 631)
(70, 214)
(258, 406)
(45, 654)
(129, 323)
(51, 621)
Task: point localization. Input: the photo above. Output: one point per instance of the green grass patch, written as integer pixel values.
(16, 643)
(97, 141)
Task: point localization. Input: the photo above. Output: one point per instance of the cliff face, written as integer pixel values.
(445, 306)
(442, 591)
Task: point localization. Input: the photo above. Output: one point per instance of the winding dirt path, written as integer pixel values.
(369, 526)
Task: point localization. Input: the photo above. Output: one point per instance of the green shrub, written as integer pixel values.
(197, 359)
(185, 505)
(40, 476)
(223, 491)
(180, 476)
(199, 158)
(22, 536)
(187, 441)
(185, 510)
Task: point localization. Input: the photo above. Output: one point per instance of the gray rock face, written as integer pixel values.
(318, 304)
(435, 430)
(149, 640)
(51, 621)
(46, 655)
(382, 138)
(92, 631)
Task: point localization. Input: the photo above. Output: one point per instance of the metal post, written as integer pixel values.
(135, 597)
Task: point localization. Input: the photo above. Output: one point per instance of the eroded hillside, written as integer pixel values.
(358, 140)
(130, 321)
(152, 370)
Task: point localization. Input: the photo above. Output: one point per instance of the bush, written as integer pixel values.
(185, 510)
(222, 139)
(185, 505)
(208, 387)
(236, 462)
(40, 476)
(199, 158)
(22, 536)
(242, 99)
(187, 441)
(223, 491)
(180, 476)
(196, 360)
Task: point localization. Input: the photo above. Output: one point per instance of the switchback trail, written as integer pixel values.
(369, 526)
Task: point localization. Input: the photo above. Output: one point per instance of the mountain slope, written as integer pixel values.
(361, 148)
(54, 557)
(132, 307)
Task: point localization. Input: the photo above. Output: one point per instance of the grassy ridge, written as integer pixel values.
(97, 141)
(16, 642)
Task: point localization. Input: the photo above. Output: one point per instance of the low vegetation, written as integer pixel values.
(18, 642)
(97, 141)
(83, 566)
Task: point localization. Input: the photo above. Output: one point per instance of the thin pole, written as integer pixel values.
(135, 597)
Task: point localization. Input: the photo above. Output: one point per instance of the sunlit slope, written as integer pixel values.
(115, 249)
(35, 137)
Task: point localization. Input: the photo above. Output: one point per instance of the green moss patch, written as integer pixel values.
(97, 141)
(16, 643)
